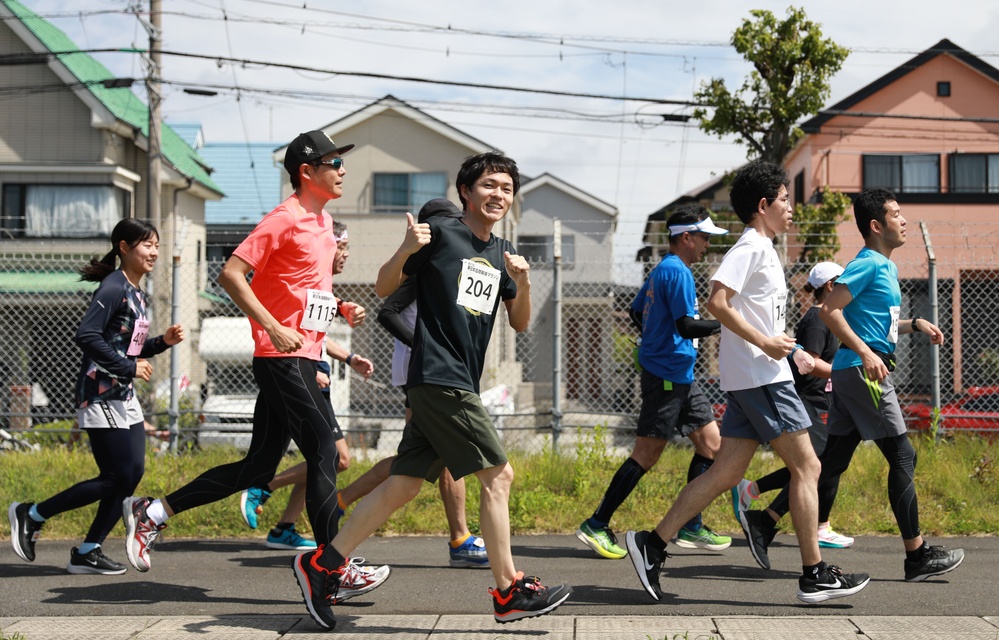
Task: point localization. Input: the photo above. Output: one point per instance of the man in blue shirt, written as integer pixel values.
(665, 311)
(863, 311)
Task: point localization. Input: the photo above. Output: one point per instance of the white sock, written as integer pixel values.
(156, 512)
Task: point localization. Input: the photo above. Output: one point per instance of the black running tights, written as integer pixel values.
(121, 457)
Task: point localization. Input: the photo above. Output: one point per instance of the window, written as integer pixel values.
(401, 192)
(916, 173)
(974, 173)
(539, 250)
(62, 211)
(943, 89)
(799, 188)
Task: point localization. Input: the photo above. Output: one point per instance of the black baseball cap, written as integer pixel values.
(309, 147)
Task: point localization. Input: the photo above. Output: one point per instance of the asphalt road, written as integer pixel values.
(217, 577)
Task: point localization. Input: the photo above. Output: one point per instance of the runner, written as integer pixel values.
(665, 312)
(113, 336)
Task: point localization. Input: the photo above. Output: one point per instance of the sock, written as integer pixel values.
(457, 543)
(34, 515)
(656, 542)
(156, 512)
(824, 526)
(87, 547)
(621, 486)
(813, 570)
(339, 500)
(698, 465)
(917, 554)
(331, 559)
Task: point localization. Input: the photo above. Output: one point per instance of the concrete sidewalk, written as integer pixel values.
(461, 627)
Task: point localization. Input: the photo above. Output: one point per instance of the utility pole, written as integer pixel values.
(155, 30)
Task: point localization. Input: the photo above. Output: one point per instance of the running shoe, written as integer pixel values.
(471, 554)
(251, 504)
(601, 540)
(93, 562)
(829, 539)
(140, 531)
(648, 562)
(24, 531)
(704, 538)
(760, 530)
(319, 586)
(288, 539)
(830, 583)
(741, 500)
(935, 562)
(527, 598)
(356, 579)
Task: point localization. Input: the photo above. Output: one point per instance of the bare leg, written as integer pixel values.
(795, 449)
(494, 517)
(373, 510)
(453, 497)
(292, 475)
(296, 505)
(364, 485)
(707, 440)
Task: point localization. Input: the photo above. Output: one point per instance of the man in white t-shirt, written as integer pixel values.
(749, 298)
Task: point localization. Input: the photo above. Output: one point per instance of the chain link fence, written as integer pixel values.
(586, 358)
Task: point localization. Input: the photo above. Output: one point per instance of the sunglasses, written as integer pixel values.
(336, 163)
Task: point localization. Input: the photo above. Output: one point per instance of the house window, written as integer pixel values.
(401, 192)
(799, 188)
(62, 211)
(974, 173)
(539, 250)
(943, 89)
(914, 173)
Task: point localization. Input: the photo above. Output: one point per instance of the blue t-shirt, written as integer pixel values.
(873, 313)
(666, 296)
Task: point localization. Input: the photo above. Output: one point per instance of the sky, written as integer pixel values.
(618, 150)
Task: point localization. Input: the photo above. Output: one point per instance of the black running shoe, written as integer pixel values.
(648, 562)
(23, 530)
(93, 562)
(760, 530)
(830, 583)
(527, 598)
(935, 562)
(319, 586)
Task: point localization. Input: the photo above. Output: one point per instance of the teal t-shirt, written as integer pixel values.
(873, 313)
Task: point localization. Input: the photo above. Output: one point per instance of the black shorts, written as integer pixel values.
(683, 409)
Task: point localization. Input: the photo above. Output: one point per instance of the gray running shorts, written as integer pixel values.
(868, 406)
(764, 413)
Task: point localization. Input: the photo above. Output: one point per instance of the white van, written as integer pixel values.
(226, 347)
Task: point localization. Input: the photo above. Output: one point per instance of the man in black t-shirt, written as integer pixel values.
(464, 271)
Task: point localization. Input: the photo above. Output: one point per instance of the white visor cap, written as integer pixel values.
(704, 226)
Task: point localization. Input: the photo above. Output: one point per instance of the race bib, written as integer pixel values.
(478, 287)
(893, 329)
(780, 312)
(139, 333)
(320, 309)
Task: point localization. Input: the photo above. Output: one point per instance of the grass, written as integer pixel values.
(956, 478)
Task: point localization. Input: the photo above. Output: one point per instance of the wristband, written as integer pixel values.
(913, 322)
(796, 347)
(348, 359)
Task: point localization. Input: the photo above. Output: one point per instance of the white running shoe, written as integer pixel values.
(829, 539)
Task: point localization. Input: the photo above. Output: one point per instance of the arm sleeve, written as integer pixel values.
(636, 318)
(90, 335)
(389, 315)
(690, 328)
(153, 346)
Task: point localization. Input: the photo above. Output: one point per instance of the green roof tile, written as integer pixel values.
(124, 104)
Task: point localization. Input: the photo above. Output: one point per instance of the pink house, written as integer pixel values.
(929, 131)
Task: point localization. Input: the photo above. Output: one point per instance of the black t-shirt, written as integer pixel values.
(449, 344)
(816, 337)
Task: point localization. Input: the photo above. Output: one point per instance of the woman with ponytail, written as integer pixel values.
(114, 338)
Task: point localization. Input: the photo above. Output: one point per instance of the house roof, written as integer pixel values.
(391, 102)
(120, 102)
(247, 173)
(548, 179)
(814, 124)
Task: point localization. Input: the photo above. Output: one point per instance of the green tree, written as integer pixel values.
(817, 226)
(792, 63)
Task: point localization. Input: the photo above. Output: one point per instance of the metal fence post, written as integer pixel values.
(556, 333)
(178, 247)
(934, 315)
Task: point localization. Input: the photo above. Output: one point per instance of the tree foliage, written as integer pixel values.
(792, 63)
(817, 226)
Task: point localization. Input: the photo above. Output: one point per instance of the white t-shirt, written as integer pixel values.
(752, 269)
(401, 353)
